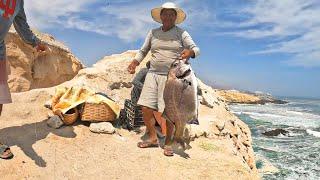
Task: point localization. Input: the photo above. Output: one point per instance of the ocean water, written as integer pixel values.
(296, 155)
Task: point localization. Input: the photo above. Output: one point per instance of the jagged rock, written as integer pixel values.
(50, 114)
(246, 143)
(208, 97)
(103, 127)
(118, 85)
(115, 85)
(195, 131)
(215, 130)
(213, 119)
(48, 104)
(127, 84)
(275, 132)
(264, 166)
(29, 69)
(234, 96)
(220, 124)
(55, 122)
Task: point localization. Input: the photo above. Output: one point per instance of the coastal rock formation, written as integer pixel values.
(216, 121)
(264, 166)
(276, 132)
(29, 69)
(110, 76)
(268, 98)
(221, 140)
(235, 96)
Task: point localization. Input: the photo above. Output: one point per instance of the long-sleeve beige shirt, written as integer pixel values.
(165, 48)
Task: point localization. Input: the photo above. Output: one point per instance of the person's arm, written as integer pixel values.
(191, 49)
(145, 48)
(23, 29)
(141, 54)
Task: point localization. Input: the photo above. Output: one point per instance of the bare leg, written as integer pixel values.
(161, 121)
(7, 153)
(149, 121)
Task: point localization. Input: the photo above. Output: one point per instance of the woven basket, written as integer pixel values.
(97, 112)
(70, 117)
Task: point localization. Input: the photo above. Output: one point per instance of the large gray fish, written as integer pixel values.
(180, 97)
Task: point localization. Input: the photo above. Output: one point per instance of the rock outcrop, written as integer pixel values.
(110, 76)
(29, 69)
(276, 132)
(222, 140)
(234, 96)
(216, 121)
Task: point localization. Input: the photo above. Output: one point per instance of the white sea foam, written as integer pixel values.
(295, 112)
(280, 115)
(297, 152)
(236, 112)
(314, 133)
(273, 149)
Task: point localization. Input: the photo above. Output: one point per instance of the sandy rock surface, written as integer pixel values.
(233, 96)
(29, 69)
(221, 144)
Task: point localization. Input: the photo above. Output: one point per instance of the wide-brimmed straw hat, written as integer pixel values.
(181, 15)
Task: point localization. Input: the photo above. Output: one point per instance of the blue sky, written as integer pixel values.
(258, 45)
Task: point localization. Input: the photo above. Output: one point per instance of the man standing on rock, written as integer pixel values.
(12, 12)
(166, 43)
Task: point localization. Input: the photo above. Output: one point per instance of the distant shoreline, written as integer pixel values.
(298, 97)
(240, 97)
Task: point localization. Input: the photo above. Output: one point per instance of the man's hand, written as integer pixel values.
(132, 67)
(187, 54)
(41, 47)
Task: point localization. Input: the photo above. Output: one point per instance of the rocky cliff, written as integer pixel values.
(29, 69)
(110, 75)
(221, 146)
(234, 96)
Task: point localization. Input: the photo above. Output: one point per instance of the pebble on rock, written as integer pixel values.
(55, 122)
(103, 127)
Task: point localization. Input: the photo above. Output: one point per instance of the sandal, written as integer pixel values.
(168, 151)
(5, 152)
(147, 144)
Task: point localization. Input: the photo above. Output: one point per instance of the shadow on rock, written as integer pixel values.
(180, 151)
(177, 148)
(26, 135)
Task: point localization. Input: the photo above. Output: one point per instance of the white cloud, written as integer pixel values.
(42, 14)
(310, 59)
(293, 25)
(128, 20)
